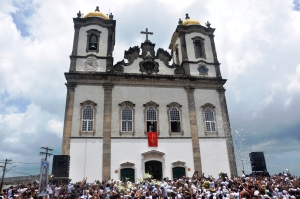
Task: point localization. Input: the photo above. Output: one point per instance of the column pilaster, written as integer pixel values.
(68, 118)
(106, 162)
(184, 64)
(194, 129)
(227, 131)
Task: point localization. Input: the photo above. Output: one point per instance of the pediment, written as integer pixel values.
(127, 164)
(178, 163)
(153, 154)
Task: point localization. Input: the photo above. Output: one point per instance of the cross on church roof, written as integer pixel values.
(147, 33)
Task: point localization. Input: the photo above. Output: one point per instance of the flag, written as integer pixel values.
(152, 139)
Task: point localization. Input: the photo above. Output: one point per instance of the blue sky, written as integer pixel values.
(257, 43)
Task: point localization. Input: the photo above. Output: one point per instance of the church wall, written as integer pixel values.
(214, 156)
(203, 96)
(86, 159)
(194, 70)
(123, 150)
(142, 95)
(92, 93)
(81, 61)
(191, 50)
(83, 39)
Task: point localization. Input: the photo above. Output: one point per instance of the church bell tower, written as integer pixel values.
(94, 41)
(93, 46)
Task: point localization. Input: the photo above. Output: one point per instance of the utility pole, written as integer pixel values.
(46, 153)
(5, 163)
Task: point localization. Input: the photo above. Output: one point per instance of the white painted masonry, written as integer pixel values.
(203, 96)
(130, 150)
(191, 50)
(86, 159)
(214, 156)
(92, 93)
(142, 95)
(83, 39)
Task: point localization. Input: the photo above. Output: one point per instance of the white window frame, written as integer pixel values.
(122, 106)
(84, 105)
(210, 107)
(178, 107)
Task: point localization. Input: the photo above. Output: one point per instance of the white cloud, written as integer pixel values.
(287, 102)
(294, 84)
(55, 127)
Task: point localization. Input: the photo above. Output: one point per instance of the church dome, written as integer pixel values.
(189, 21)
(97, 13)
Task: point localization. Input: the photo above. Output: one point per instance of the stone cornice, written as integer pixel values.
(194, 28)
(99, 78)
(81, 22)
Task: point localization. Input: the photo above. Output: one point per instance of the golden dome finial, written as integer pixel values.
(97, 13)
(188, 21)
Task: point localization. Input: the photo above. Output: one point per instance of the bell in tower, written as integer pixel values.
(93, 42)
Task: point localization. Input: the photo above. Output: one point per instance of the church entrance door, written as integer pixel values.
(127, 175)
(178, 172)
(154, 168)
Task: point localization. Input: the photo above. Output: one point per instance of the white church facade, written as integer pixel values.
(111, 108)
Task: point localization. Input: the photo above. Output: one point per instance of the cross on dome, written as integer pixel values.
(147, 33)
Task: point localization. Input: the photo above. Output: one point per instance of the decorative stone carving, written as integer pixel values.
(147, 46)
(178, 164)
(179, 71)
(165, 57)
(148, 65)
(153, 154)
(127, 164)
(131, 54)
(118, 67)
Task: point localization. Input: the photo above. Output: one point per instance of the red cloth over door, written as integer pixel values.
(152, 139)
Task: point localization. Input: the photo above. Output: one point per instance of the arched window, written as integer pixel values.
(199, 47)
(151, 119)
(198, 51)
(210, 120)
(93, 40)
(127, 119)
(87, 119)
(175, 119)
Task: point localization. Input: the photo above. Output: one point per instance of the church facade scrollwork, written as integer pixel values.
(131, 54)
(148, 65)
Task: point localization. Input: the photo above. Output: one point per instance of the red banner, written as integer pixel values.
(152, 139)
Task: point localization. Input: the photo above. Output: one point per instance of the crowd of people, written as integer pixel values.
(281, 186)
